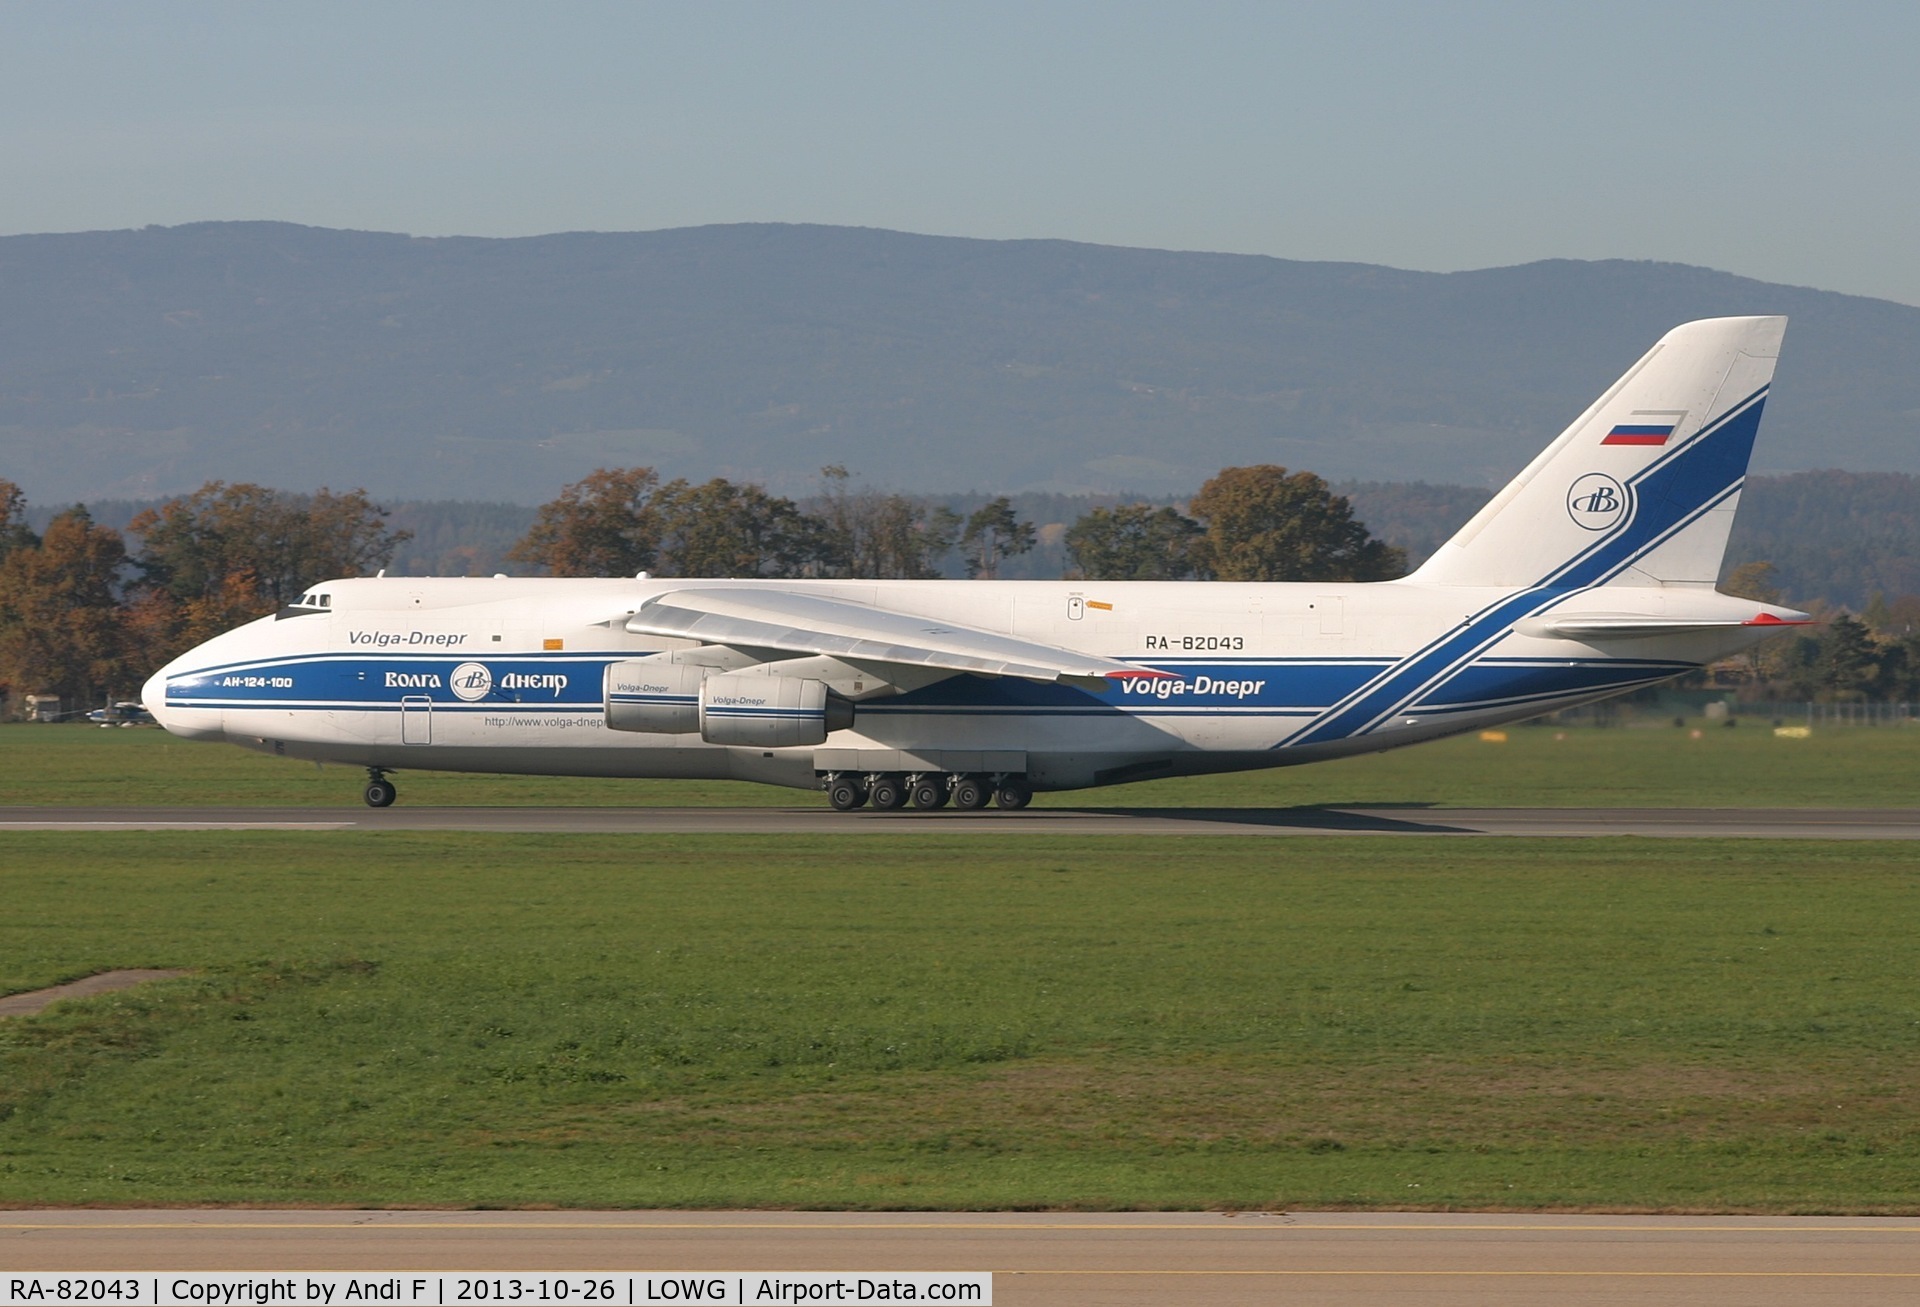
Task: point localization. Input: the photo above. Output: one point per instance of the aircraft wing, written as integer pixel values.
(794, 622)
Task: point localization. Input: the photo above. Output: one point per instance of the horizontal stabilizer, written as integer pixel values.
(1639, 626)
(792, 622)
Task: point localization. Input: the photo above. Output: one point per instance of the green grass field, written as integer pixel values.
(1536, 766)
(982, 1022)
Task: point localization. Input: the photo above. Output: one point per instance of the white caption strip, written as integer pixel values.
(492, 1288)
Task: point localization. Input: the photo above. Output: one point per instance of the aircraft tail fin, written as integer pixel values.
(1642, 488)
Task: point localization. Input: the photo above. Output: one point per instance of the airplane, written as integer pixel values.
(1591, 574)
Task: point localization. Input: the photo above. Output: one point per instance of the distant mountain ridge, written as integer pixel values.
(142, 363)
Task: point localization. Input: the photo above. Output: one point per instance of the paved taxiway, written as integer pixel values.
(1685, 823)
(101, 982)
(1057, 1259)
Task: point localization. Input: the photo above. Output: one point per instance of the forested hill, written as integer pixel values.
(140, 363)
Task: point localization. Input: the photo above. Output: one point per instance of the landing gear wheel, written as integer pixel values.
(888, 793)
(380, 793)
(846, 795)
(970, 793)
(1013, 795)
(930, 792)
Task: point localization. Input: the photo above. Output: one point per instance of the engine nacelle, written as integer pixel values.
(657, 697)
(769, 712)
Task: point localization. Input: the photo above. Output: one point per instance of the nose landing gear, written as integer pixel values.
(380, 792)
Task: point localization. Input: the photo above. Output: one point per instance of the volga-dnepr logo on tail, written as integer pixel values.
(1596, 501)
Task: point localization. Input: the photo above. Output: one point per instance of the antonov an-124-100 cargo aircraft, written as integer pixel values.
(1591, 574)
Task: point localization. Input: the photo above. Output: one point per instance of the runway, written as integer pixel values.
(1661, 823)
(1055, 1259)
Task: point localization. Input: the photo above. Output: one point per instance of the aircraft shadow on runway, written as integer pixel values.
(1327, 819)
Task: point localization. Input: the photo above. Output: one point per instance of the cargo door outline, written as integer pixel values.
(416, 719)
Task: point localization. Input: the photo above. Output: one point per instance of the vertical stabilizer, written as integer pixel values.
(1642, 488)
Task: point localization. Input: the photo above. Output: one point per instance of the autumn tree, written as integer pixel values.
(160, 625)
(602, 525)
(1264, 523)
(867, 534)
(1753, 581)
(1134, 542)
(720, 528)
(1897, 672)
(992, 535)
(1897, 617)
(1772, 658)
(14, 531)
(1878, 614)
(200, 545)
(60, 623)
(1847, 663)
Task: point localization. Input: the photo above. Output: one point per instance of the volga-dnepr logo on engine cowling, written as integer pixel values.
(471, 681)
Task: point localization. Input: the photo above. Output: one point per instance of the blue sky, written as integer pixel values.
(1779, 141)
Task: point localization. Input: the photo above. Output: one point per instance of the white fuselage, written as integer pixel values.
(506, 675)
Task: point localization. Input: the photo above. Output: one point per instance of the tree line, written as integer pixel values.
(1871, 657)
(1847, 661)
(88, 616)
(1246, 524)
(88, 612)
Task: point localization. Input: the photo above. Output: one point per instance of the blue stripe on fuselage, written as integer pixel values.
(1246, 686)
(354, 680)
(1489, 681)
(1281, 688)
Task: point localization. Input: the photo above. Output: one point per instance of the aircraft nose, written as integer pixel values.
(153, 696)
(188, 723)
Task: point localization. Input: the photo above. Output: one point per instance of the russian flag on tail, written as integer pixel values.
(1640, 433)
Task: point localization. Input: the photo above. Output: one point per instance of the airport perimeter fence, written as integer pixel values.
(1695, 710)
(1832, 714)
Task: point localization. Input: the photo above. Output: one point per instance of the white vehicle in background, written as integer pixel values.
(1591, 574)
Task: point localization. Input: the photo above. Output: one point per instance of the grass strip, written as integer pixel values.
(1532, 766)
(455, 1019)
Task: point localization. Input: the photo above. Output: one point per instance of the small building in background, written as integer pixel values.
(43, 708)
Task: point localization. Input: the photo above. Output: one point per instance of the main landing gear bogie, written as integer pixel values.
(926, 791)
(846, 793)
(888, 793)
(971, 793)
(380, 792)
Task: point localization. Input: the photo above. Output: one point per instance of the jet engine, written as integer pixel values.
(769, 712)
(752, 707)
(657, 697)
